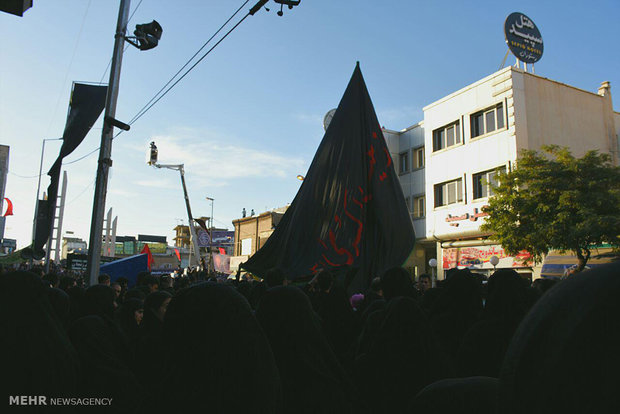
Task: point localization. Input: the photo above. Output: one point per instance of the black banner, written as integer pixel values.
(350, 211)
(86, 104)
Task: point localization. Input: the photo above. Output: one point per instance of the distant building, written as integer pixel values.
(447, 162)
(252, 232)
(72, 245)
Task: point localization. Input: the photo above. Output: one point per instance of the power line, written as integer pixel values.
(188, 71)
(24, 176)
(81, 158)
(145, 107)
(77, 41)
(81, 192)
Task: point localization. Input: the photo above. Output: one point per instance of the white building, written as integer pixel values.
(71, 244)
(446, 161)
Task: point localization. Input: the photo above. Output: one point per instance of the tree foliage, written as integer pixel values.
(552, 200)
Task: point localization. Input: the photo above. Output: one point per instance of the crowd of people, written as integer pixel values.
(461, 345)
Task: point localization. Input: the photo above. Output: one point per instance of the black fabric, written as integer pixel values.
(149, 341)
(484, 345)
(105, 373)
(564, 356)
(340, 324)
(313, 380)
(36, 355)
(473, 395)
(86, 104)
(218, 359)
(126, 319)
(402, 359)
(457, 309)
(350, 210)
(61, 304)
(99, 300)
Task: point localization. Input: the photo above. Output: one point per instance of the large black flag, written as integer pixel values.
(85, 106)
(350, 211)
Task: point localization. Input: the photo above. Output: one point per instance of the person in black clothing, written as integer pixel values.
(225, 364)
(457, 309)
(564, 356)
(393, 370)
(36, 355)
(129, 316)
(473, 395)
(149, 349)
(105, 372)
(313, 380)
(483, 347)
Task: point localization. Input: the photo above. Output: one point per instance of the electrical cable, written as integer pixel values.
(77, 42)
(24, 176)
(187, 72)
(82, 157)
(146, 106)
(81, 192)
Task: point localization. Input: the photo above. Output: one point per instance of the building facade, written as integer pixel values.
(252, 232)
(447, 162)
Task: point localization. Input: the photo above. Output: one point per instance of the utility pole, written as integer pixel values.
(105, 150)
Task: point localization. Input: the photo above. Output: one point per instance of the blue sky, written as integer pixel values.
(247, 120)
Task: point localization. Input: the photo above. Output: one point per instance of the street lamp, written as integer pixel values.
(180, 168)
(301, 177)
(210, 265)
(433, 264)
(494, 260)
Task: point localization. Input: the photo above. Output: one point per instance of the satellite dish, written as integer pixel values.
(328, 118)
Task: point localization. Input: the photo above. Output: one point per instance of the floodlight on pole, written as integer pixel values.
(146, 36)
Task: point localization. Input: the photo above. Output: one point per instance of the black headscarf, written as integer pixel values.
(126, 317)
(564, 357)
(224, 363)
(61, 304)
(104, 372)
(99, 300)
(473, 395)
(484, 345)
(457, 309)
(402, 359)
(313, 380)
(36, 355)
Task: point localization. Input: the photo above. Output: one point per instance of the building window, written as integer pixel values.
(484, 183)
(447, 136)
(450, 192)
(487, 121)
(419, 207)
(404, 162)
(418, 158)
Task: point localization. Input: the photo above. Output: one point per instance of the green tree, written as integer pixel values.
(552, 200)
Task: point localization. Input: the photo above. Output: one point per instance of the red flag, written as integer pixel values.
(178, 254)
(222, 251)
(149, 255)
(9, 208)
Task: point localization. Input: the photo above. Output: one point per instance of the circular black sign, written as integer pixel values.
(523, 38)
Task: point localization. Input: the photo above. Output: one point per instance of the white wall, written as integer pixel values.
(471, 156)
